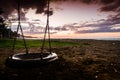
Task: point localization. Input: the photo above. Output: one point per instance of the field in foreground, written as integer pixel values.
(81, 60)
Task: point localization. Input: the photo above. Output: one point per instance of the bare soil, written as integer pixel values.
(91, 60)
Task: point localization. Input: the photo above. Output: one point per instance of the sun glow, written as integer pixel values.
(67, 19)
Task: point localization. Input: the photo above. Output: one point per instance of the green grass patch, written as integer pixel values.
(8, 43)
(5, 43)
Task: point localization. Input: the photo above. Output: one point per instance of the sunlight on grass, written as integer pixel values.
(8, 43)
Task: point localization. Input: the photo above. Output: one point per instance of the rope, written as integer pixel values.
(19, 26)
(47, 29)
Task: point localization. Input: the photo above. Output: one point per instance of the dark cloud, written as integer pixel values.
(107, 1)
(113, 6)
(106, 5)
(1, 11)
(102, 25)
(8, 6)
(112, 20)
(87, 1)
(101, 29)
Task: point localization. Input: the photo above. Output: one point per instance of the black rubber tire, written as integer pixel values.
(30, 60)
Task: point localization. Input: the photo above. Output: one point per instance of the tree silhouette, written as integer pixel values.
(4, 31)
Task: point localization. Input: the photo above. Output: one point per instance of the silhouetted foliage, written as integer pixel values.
(4, 31)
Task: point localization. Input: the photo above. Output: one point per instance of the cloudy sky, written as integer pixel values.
(70, 18)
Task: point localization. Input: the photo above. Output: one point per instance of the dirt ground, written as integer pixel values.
(91, 60)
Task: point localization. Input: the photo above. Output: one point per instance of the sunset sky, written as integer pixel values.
(70, 18)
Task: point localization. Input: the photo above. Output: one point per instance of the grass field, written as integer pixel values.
(8, 43)
(78, 60)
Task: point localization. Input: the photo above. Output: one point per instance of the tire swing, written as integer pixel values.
(31, 59)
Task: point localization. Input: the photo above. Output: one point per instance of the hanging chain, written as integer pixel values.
(47, 29)
(19, 26)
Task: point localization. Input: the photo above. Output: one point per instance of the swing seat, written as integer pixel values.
(31, 59)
